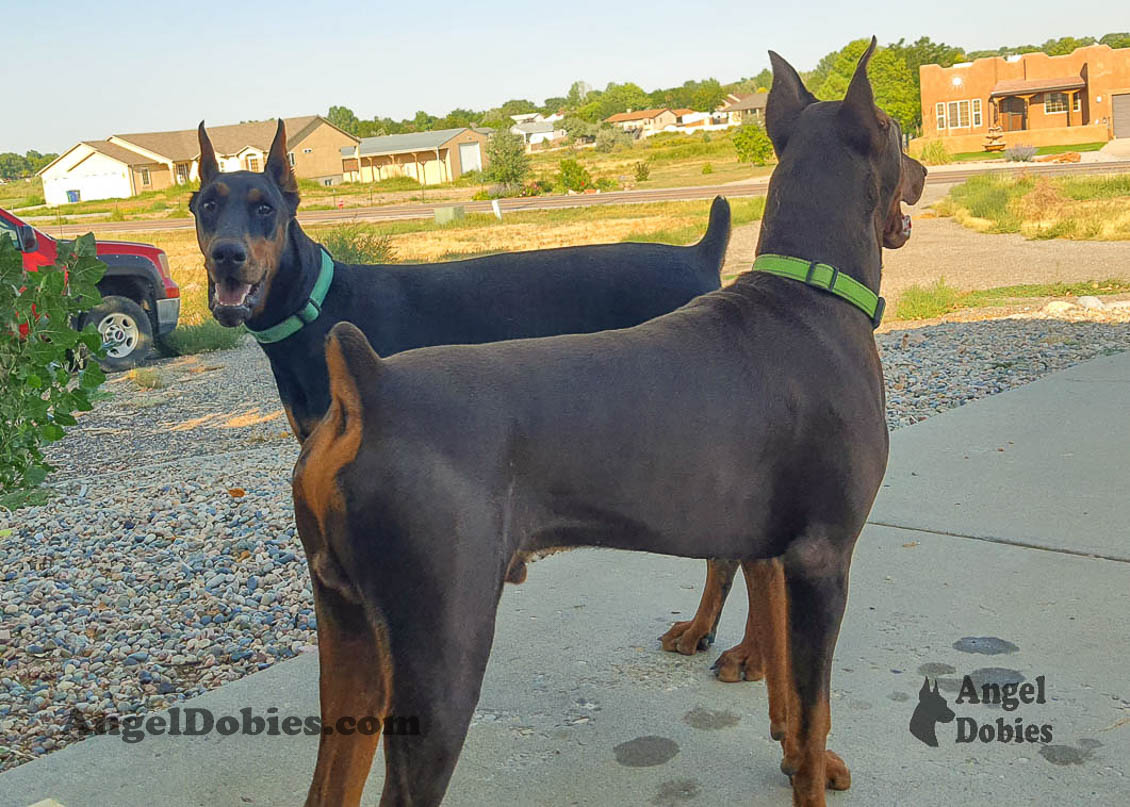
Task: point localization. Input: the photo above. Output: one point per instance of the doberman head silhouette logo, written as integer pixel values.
(931, 710)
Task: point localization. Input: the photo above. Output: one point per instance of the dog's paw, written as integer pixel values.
(687, 638)
(740, 662)
(836, 773)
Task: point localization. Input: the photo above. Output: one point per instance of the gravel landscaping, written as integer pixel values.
(167, 562)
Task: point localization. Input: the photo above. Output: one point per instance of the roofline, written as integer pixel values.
(60, 157)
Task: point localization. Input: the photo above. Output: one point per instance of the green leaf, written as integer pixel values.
(34, 381)
(51, 432)
(63, 419)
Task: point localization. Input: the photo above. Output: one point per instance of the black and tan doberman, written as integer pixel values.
(265, 272)
(747, 426)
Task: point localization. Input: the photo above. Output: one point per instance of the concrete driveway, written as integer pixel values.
(998, 549)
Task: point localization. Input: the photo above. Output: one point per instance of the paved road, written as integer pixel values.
(423, 211)
(997, 549)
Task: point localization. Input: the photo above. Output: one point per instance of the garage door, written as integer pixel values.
(470, 157)
(1121, 115)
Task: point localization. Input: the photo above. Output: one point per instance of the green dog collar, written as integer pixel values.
(826, 278)
(309, 312)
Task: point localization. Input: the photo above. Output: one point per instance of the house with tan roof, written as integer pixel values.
(128, 164)
(746, 108)
(643, 122)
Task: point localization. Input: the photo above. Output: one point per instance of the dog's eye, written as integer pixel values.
(209, 206)
(264, 210)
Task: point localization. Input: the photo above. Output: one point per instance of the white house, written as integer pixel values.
(94, 169)
(535, 132)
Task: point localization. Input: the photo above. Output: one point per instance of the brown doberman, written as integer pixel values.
(747, 426)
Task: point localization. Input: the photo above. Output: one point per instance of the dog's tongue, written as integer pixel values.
(228, 293)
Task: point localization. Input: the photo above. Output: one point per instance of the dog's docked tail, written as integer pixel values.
(712, 247)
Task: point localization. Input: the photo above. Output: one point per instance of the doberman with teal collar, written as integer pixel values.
(266, 273)
(748, 426)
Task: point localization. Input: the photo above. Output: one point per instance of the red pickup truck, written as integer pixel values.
(139, 298)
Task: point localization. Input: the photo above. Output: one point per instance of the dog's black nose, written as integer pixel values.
(230, 253)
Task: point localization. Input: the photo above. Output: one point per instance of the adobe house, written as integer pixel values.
(428, 157)
(1036, 99)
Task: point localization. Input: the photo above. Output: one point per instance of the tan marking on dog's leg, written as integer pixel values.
(690, 636)
(356, 688)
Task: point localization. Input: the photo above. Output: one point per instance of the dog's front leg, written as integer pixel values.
(355, 682)
(815, 582)
(698, 633)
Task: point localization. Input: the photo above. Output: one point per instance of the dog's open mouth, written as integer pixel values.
(232, 301)
(897, 231)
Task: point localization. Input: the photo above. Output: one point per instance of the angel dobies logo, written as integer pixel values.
(933, 709)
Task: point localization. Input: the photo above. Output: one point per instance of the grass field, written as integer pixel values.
(1082, 207)
(424, 241)
(973, 156)
(674, 160)
(927, 302)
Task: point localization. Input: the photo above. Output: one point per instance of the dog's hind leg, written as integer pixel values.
(355, 687)
(698, 633)
(815, 583)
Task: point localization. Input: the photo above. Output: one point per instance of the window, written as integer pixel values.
(9, 230)
(940, 112)
(290, 158)
(976, 112)
(1055, 102)
(182, 173)
(252, 162)
(958, 114)
(307, 151)
(1076, 102)
(144, 176)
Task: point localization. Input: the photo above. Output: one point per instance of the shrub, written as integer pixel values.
(706, 137)
(509, 164)
(609, 138)
(43, 384)
(34, 200)
(707, 168)
(572, 176)
(643, 171)
(934, 152)
(205, 337)
(1020, 153)
(357, 243)
(605, 184)
(753, 144)
(919, 302)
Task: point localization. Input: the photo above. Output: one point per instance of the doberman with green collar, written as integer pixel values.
(748, 426)
(266, 273)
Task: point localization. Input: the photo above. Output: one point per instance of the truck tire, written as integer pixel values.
(127, 333)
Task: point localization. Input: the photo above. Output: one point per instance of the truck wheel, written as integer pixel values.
(127, 333)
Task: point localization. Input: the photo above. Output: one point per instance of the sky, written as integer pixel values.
(83, 71)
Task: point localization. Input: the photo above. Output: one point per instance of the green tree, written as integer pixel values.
(1116, 40)
(763, 80)
(752, 144)
(554, 104)
(578, 94)
(518, 106)
(343, 118)
(456, 119)
(507, 161)
(896, 91)
(706, 96)
(1065, 45)
(572, 176)
(423, 122)
(622, 97)
(578, 128)
(13, 166)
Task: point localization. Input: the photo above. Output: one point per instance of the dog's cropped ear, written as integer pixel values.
(858, 114)
(925, 686)
(787, 99)
(208, 165)
(278, 166)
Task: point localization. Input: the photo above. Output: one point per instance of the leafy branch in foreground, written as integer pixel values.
(44, 379)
